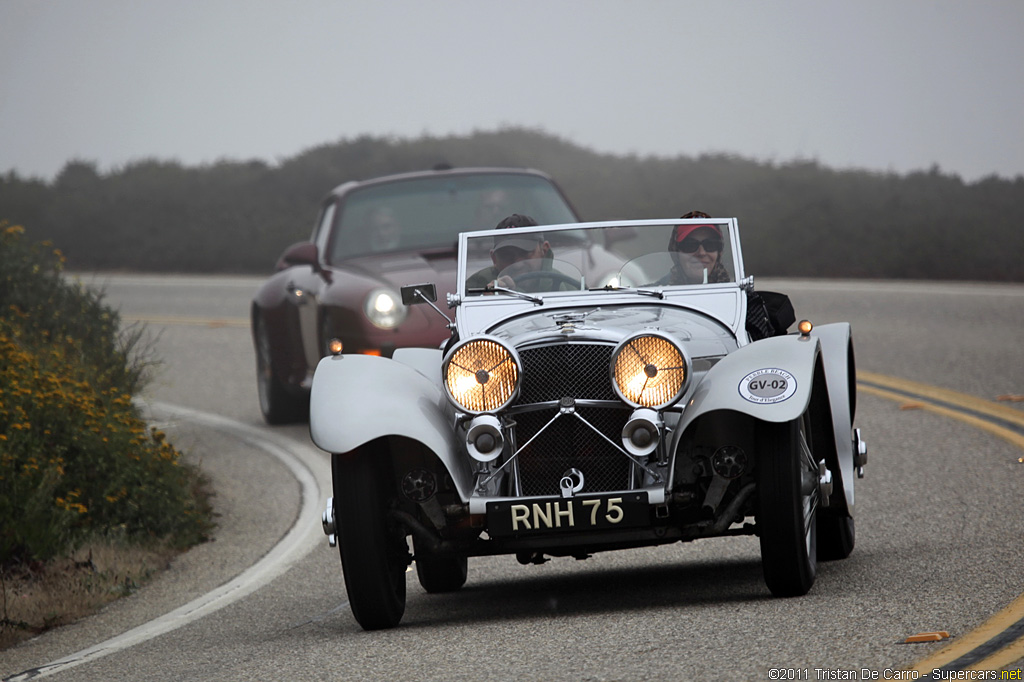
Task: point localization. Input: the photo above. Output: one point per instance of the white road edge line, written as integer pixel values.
(309, 468)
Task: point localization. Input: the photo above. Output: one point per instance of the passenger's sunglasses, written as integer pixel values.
(690, 245)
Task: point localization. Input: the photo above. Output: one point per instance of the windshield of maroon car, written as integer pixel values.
(429, 213)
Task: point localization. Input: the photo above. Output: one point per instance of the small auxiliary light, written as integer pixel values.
(805, 327)
(335, 346)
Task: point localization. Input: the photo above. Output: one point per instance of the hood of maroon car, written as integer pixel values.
(398, 269)
(350, 283)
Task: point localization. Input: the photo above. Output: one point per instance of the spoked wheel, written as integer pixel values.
(788, 501)
(278, 404)
(374, 552)
(440, 573)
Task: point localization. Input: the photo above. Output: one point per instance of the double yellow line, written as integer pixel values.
(179, 320)
(999, 642)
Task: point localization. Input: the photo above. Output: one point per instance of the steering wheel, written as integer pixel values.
(555, 275)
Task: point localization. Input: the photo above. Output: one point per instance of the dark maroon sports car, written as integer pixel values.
(371, 238)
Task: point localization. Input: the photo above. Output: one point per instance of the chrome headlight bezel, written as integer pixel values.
(667, 358)
(384, 308)
(486, 354)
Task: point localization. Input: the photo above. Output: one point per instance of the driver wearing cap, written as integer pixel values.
(513, 255)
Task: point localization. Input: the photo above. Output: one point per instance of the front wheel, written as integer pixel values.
(836, 536)
(278, 404)
(440, 573)
(374, 552)
(788, 500)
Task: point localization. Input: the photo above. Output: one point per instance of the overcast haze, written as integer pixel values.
(883, 85)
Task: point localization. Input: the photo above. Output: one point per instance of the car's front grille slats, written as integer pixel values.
(579, 371)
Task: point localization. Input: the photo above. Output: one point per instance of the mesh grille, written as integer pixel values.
(570, 443)
(578, 371)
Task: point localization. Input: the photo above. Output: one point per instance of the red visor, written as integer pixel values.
(683, 231)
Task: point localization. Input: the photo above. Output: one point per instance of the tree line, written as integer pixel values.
(797, 218)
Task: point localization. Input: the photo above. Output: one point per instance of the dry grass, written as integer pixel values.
(46, 595)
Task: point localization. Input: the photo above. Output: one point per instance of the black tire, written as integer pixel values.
(440, 573)
(788, 496)
(374, 552)
(836, 536)
(278, 404)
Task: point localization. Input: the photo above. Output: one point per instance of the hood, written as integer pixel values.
(699, 334)
(352, 281)
(401, 268)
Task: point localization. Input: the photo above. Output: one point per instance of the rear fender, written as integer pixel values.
(356, 399)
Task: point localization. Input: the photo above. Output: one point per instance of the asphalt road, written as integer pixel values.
(939, 532)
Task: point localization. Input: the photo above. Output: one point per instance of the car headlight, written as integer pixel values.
(481, 375)
(649, 370)
(384, 308)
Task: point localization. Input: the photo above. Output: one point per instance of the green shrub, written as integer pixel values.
(76, 457)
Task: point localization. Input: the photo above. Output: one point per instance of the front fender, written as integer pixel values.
(837, 351)
(829, 347)
(359, 398)
(722, 388)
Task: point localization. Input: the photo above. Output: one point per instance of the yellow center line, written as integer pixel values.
(178, 320)
(945, 395)
(1013, 651)
(1003, 432)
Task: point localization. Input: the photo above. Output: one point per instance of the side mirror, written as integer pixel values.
(419, 293)
(424, 293)
(303, 253)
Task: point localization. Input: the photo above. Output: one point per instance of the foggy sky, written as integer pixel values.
(883, 85)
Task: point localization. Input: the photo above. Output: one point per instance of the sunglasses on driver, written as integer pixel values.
(690, 245)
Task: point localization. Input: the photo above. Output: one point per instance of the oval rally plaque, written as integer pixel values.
(766, 386)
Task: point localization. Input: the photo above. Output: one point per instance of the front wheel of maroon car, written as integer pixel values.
(278, 404)
(374, 552)
(787, 510)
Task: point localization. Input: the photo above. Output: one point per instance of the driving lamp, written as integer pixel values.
(483, 438)
(649, 370)
(642, 432)
(481, 375)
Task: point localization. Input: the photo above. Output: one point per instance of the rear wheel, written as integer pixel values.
(440, 573)
(374, 552)
(278, 404)
(788, 500)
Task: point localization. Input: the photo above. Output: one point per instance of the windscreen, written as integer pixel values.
(608, 257)
(429, 213)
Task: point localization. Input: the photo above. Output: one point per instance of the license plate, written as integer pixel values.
(556, 514)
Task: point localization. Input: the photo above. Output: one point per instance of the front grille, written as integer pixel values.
(579, 371)
(569, 443)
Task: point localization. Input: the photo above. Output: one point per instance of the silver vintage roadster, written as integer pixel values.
(582, 406)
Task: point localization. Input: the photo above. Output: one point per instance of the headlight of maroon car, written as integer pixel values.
(384, 308)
